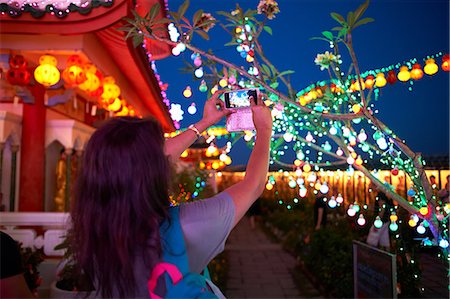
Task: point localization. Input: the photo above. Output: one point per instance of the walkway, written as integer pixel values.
(259, 268)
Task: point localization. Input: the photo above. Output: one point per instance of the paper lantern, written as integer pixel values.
(370, 80)
(431, 67)
(74, 75)
(416, 72)
(391, 77)
(124, 111)
(404, 74)
(110, 89)
(380, 80)
(115, 105)
(46, 73)
(91, 83)
(18, 73)
(445, 62)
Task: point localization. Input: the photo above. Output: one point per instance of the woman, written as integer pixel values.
(122, 199)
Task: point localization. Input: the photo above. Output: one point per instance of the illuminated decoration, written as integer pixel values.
(411, 192)
(58, 8)
(184, 154)
(421, 229)
(199, 72)
(111, 90)
(394, 171)
(350, 211)
(214, 89)
(332, 202)
(223, 82)
(203, 87)
(187, 93)
(92, 82)
(369, 82)
(74, 73)
(192, 109)
(356, 108)
(115, 105)
(378, 223)
(46, 73)
(443, 243)
(404, 74)
(361, 220)
(423, 210)
(176, 112)
(431, 67)
(393, 226)
(306, 167)
(416, 72)
(445, 64)
(18, 73)
(391, 77)
(380, 80)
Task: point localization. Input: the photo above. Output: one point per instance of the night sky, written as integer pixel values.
(403, 29)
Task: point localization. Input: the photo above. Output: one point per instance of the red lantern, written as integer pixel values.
(18, 73)
(391, 77)
(18, 76)
(74, 60)
(445, 62)
(394, 171)
(74, 75)
(416, 72)
(17, 62)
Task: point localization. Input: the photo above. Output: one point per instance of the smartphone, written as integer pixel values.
(239, 98)
(242, 118)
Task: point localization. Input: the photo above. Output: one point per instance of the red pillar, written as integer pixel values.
(32, 153)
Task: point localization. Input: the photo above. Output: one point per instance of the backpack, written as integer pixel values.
(180, 282)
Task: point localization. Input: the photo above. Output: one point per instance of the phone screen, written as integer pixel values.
(239, 98)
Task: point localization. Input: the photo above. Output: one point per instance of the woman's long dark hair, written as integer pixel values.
(120, 200)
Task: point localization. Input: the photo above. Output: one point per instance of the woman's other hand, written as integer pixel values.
(214, 110)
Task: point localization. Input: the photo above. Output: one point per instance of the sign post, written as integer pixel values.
(374, 272)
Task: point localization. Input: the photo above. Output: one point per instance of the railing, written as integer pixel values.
(36, 229)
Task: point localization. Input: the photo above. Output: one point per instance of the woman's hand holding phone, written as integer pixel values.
(262, 117)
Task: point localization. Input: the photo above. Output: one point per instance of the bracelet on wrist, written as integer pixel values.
(195, 130)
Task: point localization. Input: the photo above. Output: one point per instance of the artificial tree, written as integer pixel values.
(339, 110)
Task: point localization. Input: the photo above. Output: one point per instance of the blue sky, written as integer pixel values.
(403, 29)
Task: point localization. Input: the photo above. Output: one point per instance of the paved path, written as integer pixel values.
(259, 268)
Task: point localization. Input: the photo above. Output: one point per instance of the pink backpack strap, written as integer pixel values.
(158, 270)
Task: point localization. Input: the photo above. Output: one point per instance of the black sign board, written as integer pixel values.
(374, 272)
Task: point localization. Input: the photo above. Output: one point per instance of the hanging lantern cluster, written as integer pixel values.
(375, 79)
(243, 36)
(18, 73)
(77, 74)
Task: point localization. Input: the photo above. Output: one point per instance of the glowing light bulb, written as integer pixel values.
(443, 243)
(302, 191)
(223, 82)
(306, 167)
(187, 92)
(393, 217)
(339, 152)
(393, 226)
(350, 160)
(421, 229)
(199, 72)
(380, 80)
(423, 210)
(361, 220)
(333, 130)
(288, 137)
(269, 186)
(192, 109)
(378, 223)
(332, 202)
(309, 137)
(339, 198)
(404, 74)
(324, 188)
(356, 108)
(431, 67)
(350, 211)
(362, 136)
(416, 72)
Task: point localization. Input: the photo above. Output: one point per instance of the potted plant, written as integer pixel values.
(70, 282)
